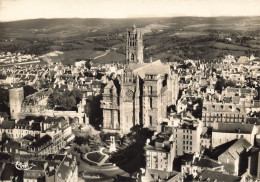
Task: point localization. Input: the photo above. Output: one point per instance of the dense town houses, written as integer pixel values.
(204, 116)
(41, 137)
(52, 168)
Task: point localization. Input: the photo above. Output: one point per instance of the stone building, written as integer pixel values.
(223, 113)
(234, 158)
(254, 162)
(16, 96)
(187, 137)
(134, 46)
(141, 94)
(160, 152)
(225, 132)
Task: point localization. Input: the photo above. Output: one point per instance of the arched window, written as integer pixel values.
(151, 102)
(132, 57)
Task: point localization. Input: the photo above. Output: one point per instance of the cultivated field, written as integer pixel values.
(170, 39)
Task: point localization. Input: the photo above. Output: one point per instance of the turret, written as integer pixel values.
(16, 96)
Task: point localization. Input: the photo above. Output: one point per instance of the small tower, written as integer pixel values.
(16, 96)
(134, 46)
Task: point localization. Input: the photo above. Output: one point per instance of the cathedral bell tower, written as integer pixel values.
(134, 46)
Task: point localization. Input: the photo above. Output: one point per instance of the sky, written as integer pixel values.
(11, 10)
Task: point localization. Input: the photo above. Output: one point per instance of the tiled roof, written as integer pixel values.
(233, 148)
(238, 147)
(255, 121)
(150, 147)
(12, 144)
(7, 124)
(162, 174)
(225, 107)
(54, 157)
(63, 171)
(39, 165)
(53, 119)
(110, 85)
(242, 59)
(233, 128)
(88, 79)
(257, 104)
(209, 163)
(215, 175)
(43, 140)
(156, 67)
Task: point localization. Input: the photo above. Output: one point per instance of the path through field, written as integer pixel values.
(107, 51)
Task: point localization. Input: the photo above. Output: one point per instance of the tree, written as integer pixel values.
(95, 112)
(28, 90)
(80, 140)
(77, 94)
(88, 64)
(4, 115)
(230, 83)
(4, 99)
(54, 99)
(99, 75)
(220, 84)
(67, 100)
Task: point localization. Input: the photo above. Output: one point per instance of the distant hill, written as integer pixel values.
(90, 22)
(96, 22)
(168, 39)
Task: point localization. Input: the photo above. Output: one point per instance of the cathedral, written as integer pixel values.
(141, 94)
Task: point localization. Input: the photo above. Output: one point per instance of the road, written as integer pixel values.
(107, 51)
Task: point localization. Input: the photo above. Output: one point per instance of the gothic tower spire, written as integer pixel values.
(134, 46)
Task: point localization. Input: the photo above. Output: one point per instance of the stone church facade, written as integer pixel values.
(141, 94)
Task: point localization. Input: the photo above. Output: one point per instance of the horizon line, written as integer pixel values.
(140, 17)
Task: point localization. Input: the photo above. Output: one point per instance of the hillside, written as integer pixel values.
(170, 39)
